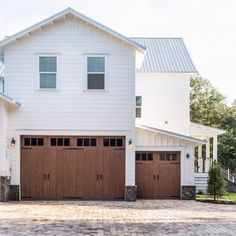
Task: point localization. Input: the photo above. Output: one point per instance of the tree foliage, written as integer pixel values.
(216, 187)
(208, 107)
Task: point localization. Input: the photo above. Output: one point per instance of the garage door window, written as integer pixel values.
(60, 142)
(113, 142)
(86, 142)
(166, 156)
(144, 156)
(33, 142)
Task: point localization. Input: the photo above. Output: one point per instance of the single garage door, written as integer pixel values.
(72, 168)
(158, 174)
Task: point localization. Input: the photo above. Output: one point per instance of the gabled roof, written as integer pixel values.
(172, 134)
(199, 130)
(63, 13)
(165, 55)
(9, 100)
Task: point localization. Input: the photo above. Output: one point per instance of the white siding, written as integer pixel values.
(165, 98)
(70, 107)
(150, 141)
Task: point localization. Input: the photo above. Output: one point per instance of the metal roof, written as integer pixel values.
(165, 55)
(175, 135)
(70, 10)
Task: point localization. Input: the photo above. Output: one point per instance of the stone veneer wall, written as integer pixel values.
(4, 188)
(14, 192)
(188, 192)
(130, 193)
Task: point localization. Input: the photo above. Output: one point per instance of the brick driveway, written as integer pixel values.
(144, 217)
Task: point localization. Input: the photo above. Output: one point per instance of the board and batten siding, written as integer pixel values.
(71, 106)
(165, 100)
(152, 141)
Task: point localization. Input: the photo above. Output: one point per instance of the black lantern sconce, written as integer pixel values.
(13, 142)
(130, 144)
(187, 156)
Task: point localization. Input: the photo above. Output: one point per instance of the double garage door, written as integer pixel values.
(72, 168)
(158, 174)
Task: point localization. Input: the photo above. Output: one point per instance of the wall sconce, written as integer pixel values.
(13, 142)
(130, 144)
(187, 156)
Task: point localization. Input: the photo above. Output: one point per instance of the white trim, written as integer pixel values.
(85, 66)
(63, 13)
(38, 71)
(205, 127)
(172, 134)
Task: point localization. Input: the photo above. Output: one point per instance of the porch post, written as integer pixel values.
(207, 162)
(200, 161)
(215, 156)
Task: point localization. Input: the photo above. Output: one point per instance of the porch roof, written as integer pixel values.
(9, 100)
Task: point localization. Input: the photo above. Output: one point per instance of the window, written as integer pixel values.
(33, 141)
(113, 142)
(47, 72)
(138, 106)
(168, 156)
(86, 142)
(60, 142)
(144, 156)
(95, 73)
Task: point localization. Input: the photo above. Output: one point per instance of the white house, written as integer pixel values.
(67, 111)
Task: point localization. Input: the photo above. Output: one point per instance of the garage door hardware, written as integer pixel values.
(46, 176)
(156, 177)
(98, 177)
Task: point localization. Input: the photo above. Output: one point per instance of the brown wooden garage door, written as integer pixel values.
(158, 174)
(72, 168)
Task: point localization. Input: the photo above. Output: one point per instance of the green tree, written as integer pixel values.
(216, 186)
(208, 107)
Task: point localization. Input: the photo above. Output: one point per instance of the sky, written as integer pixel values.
(207, 26)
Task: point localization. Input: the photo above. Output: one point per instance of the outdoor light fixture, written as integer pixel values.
(187, 156)
(13, 142)
(130, 143)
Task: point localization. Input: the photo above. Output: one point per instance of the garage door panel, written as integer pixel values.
(158, 174)
(73, 167)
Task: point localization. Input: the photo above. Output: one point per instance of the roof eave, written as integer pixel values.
(175, 135)
(9, 100)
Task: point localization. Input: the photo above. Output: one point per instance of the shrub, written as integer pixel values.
(216, 187)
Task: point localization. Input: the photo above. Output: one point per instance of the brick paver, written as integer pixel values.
(144, 217)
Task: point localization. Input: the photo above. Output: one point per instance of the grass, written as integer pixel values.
(227, 196)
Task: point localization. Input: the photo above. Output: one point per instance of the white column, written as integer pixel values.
(3, 161)
(207, 162)
(215, 155)
(200, 161)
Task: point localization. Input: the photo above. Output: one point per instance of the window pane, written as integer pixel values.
(143, 156)
(96, 81)
(47, 64)
(93, 142)
(86, 142)
(96, 64)
(162, 156)
(106, 142)
(138, 112)
(66, 142)
(60, 142)
(27, 141)
(150, 158)
(138, 101)
(80, 142)
(47, 80)
(40, 141)
(53, 141)
(33, 142)
(119, 142)
(137, 156)
(112, 142)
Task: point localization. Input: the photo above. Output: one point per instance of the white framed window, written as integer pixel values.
(138, 106)
(96, 72)
(47, 72)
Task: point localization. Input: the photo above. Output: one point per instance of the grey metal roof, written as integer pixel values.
(165, 55)
(9, 99)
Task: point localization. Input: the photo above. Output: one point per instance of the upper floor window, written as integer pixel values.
(138, 106)
(96, 72)
(47, 72)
